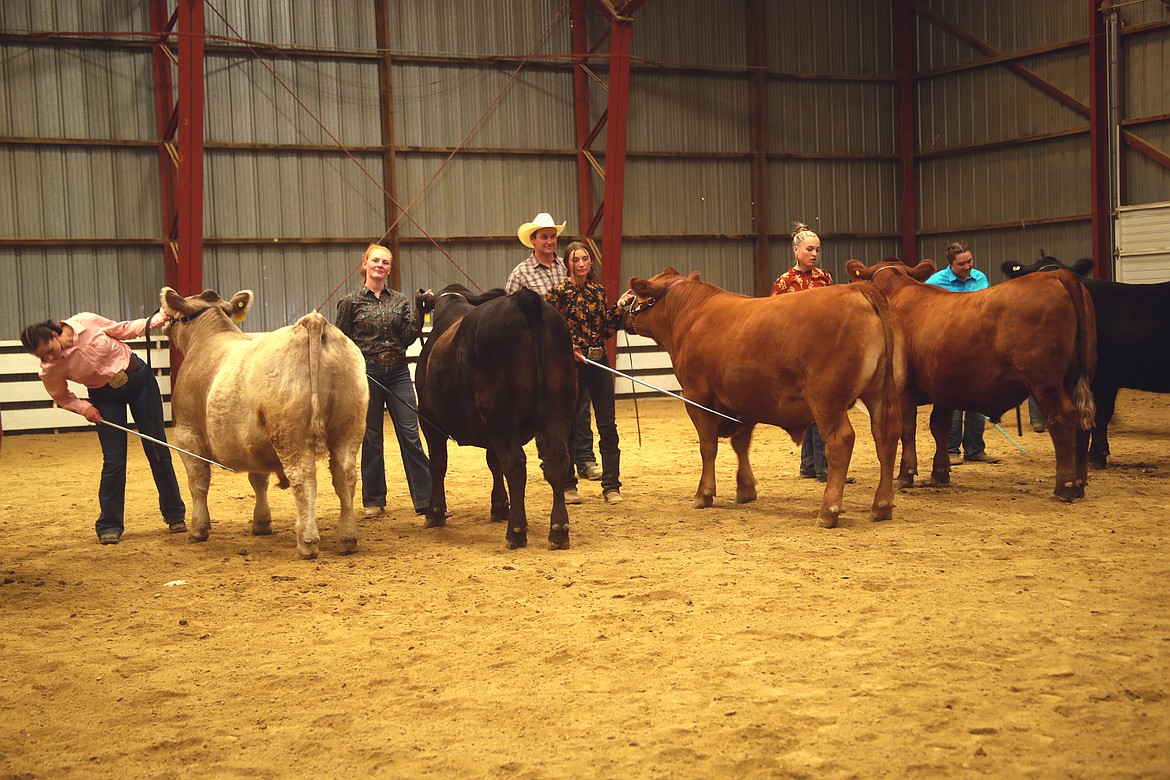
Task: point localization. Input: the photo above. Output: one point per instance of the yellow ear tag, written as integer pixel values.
(240, 315)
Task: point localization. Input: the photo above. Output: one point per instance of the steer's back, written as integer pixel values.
(825, 340)
(257, 392)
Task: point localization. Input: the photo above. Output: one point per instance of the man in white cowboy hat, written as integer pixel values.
(540, 272)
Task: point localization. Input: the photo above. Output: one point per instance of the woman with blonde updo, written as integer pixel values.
(805, 274)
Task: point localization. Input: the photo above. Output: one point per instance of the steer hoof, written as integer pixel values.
(347, 546)
(1066, 492)
(1096, 464)
(558, 545)
(435, 519)
(262, 529)
(307, 550)
(904, 482)
(883, 510)
(516, 537)
(702, 502)
(744, 496)
(199, 534)
(827, 521)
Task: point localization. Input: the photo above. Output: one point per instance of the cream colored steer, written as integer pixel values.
(265, 405)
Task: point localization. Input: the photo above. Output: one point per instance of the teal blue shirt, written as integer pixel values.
(947, 280)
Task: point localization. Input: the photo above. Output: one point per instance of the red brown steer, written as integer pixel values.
(788, 361)
(1032, 335)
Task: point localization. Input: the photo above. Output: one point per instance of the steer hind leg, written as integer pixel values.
(556, 473)
(885, 432)
(940, 431)
(499, 491)
(303, 478)
(1106, 400)
(261, 511)
(745, 480)
(837, 433)
(1061, 416)
(343, 469)
(437, 511)
(513, 462)
(908, 469)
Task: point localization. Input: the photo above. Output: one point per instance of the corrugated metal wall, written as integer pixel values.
(288, 213)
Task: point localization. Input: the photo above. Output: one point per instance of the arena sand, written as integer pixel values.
(988, 630)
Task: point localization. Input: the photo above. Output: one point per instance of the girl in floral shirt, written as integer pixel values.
(591, 321)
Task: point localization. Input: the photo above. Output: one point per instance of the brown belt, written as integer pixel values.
(386, 359)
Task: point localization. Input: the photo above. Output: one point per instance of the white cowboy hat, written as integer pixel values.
(543, 220)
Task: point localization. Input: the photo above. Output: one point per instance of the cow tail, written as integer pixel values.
(532, 305)
(890, 391)
(1086, 351)
(314, 324)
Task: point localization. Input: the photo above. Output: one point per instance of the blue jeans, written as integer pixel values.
(968, 433)
(1035, 416)
(596, 386)
(812, 453)
(392, 390)
(142, 396)
(581, 434)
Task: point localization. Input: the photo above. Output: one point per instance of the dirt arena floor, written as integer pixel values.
(988, 630)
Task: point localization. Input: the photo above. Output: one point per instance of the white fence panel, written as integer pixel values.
(25, 406)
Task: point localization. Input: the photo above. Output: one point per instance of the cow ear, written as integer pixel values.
(669, 270)
(923, 271)
(1011, 268)
(856, 269)
(694, 276)
(241, 303)
(172, 303)
(211, 296)
(1083, 267)
(640, 287)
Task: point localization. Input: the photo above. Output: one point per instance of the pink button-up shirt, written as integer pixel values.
(98, 352)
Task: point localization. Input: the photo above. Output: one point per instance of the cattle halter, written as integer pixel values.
(661, 390)
(640, 305)
(187, 318)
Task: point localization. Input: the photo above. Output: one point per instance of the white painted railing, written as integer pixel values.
(26, 407)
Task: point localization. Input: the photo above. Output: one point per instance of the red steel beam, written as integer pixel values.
(189, 194)
(757, 56)
(161, 25)
(585, 134)
(907, 168)
(615, 156)
(389, 150)
(1099, 144)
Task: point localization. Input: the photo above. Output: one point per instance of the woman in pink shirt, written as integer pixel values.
(90, 350)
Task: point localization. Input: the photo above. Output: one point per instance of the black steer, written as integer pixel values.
(496, 371)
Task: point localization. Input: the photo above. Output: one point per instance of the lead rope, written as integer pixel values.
(413, 408)
(149, 349)
(633, 386)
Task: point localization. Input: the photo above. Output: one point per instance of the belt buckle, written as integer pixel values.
(119, 379)
(596, 353)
